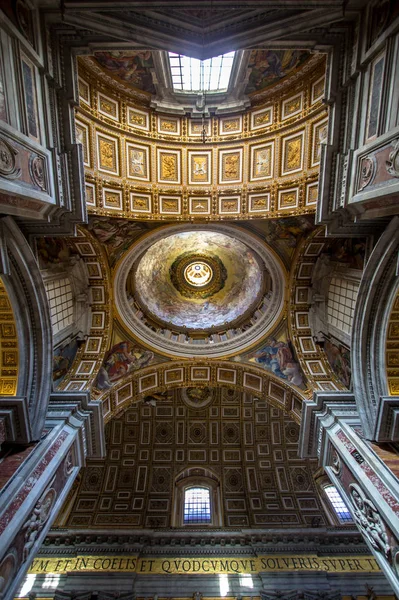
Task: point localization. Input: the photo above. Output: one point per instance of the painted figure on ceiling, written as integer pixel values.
(123, 358)
(277, 357)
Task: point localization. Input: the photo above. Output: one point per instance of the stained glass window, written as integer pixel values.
(197, 506)
(338, 504)
(192, 75)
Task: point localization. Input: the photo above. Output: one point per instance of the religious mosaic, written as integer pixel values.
(278, 357)
(267, 67)
(63, 358)
(123, 358)
(350, 251)
(115, 234)
(133, 67)
(340, 361)
(52, 251)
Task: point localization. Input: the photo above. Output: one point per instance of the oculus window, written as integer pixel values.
(338, 504)
(193, 75)
(197, 506)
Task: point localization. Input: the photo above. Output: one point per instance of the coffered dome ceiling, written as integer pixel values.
(190, 291)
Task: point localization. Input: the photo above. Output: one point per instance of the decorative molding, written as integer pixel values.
(8, 164)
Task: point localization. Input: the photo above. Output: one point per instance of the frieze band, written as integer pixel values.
(203, 565)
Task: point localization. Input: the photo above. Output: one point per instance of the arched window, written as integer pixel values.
(197, 499)
(339, 506)
(197, 506)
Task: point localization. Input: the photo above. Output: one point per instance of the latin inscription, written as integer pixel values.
(188, 566)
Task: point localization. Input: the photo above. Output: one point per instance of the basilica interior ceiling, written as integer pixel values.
(244, 443)
(202, 262)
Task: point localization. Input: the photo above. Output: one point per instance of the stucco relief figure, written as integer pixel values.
(37, 520)
(369, 521)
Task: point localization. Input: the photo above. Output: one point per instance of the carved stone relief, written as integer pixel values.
(8, 167)
(37, 520)
(367, 171)
(369, 521)
(38, 172)
(392, 164)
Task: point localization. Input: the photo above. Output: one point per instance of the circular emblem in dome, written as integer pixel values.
(198, 273)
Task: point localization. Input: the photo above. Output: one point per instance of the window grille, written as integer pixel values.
(341, 303)
(59, 293)
(197, 506)
(338, 504)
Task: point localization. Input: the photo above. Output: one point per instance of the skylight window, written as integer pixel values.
(193, 75)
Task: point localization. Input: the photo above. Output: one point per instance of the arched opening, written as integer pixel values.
(197, 505)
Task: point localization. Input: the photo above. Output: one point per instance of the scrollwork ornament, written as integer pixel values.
(367, 170)
(369, 521)
(8, 167)
(392, 164)
(37, 171)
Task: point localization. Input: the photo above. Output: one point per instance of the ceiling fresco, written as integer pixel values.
(123, 358)
(116, 235)
(267, 67)
(133, 67)
(278, 356)
(162, 286)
